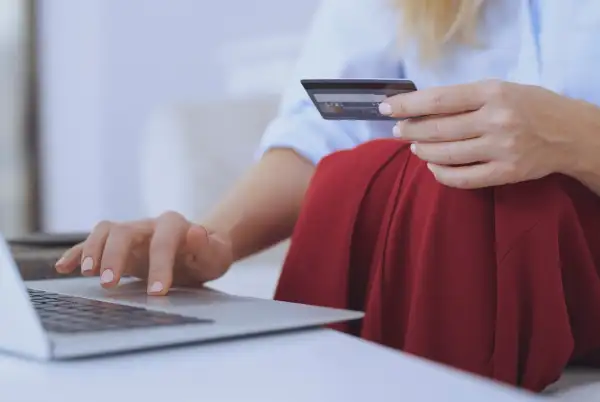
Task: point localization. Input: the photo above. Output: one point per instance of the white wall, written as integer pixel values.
(107, 65)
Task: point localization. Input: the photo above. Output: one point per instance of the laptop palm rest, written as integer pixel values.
(134, 292)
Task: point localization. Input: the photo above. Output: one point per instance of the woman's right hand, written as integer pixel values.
(167, 250)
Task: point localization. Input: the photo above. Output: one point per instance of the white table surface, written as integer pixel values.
(315, 365)
(318, 365)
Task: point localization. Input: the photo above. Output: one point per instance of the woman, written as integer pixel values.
(472, 239)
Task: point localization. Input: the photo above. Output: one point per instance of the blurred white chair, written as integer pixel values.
(192, 154)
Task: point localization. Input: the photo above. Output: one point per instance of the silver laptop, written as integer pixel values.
(71, 318)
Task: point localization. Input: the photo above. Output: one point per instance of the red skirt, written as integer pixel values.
(502, 282)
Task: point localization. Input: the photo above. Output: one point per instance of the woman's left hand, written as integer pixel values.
(490, 133)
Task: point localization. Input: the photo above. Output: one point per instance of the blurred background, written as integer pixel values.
(113, 109)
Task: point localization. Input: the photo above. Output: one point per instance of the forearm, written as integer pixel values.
(262, 208)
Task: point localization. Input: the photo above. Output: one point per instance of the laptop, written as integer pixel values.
(61, 319)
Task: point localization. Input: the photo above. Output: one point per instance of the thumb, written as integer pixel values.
(197, 240)
(205, 253)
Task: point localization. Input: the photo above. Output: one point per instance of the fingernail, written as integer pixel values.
(87, 264)
(107, 276)
(396, 131)
(156, 287)
(60, 262)
(413, 148)
(385, 109)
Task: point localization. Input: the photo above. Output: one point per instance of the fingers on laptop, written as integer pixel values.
(170, 234)
(115, 254)
(125, 241)
(86, 254)
(111, 247)
(93, 248)
(70, 260)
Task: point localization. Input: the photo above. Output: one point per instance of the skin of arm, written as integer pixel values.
(262, 208)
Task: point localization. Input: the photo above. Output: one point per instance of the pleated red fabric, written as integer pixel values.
(502, 282)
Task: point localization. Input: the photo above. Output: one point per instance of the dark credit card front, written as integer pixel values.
(354, 99)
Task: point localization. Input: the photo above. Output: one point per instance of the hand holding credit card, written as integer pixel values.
(354, 99)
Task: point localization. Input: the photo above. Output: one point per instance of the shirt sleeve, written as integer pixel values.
(347, 39)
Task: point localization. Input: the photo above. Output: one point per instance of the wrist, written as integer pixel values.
(583, 164)
(584, 154)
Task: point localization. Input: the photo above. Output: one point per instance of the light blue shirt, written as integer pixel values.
(552, 43)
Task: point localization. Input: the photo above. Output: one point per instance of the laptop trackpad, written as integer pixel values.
(135, 292)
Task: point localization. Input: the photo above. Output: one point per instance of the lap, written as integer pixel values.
(498, 281)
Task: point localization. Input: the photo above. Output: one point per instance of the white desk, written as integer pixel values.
(309, 366)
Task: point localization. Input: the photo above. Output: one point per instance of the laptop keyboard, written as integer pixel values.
(70, 314)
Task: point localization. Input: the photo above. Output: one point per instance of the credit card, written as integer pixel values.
(353, 99)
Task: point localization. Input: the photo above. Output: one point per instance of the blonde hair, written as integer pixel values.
(433, 24)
